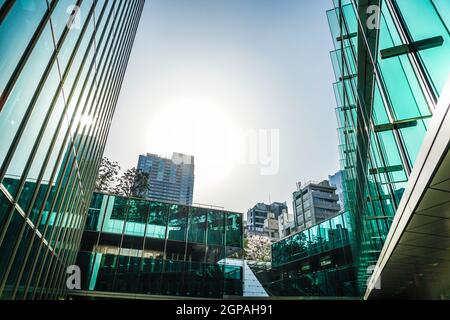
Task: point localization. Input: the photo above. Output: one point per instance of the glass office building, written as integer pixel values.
(61, 68)
(317, 261)
(391, 61)
(137, 247)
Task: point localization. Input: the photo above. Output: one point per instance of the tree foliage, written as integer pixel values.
(107, 176)
(132, 183)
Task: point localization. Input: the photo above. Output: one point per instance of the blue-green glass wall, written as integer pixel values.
(137, 246)
(61, 68)
(384, 103)
(316, 261)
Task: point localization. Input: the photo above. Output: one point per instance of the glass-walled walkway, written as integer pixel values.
(147, 247)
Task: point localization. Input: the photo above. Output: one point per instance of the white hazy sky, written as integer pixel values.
(201, 69)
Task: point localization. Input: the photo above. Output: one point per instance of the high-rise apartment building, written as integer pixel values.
(314, 203)
(169, 179)
(391, 66)
(62, 64)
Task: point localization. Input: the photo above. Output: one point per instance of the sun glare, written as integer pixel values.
(201, 129)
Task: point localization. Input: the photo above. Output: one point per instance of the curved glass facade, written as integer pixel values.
(61, 68)
(136, 246)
